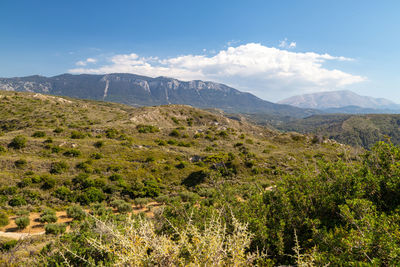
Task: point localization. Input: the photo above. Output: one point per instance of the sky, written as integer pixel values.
(273, 49)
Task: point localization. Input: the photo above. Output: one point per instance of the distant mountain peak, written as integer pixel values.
(338, 99)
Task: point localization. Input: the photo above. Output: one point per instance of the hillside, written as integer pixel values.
(355, 130)
(340, 99)
(101, 183)
(138, 90)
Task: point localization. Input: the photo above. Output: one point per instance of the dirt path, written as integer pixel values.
(37, 228)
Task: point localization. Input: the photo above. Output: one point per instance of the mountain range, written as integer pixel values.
(342, 102)
(136, 90)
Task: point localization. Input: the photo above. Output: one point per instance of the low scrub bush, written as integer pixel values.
(39, 134)
(22, 222)
(3, 219)
(55, 229)
(76, 212)
(142, 128)
(18, 142)
(48, 216)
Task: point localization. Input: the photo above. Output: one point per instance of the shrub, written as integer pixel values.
(141, 202)
(39, 134)
(58, 167)
(76, 212)
(77, 135)
(147, 128)
(58, 130)
(96, 156)
(115, 177)
(91, 195)
(21, 163)
(160, 142)
(111, 133)
(172, 142)
(63, 193)
(22, 222)
(3, 219)
(17, 201)
(208, 245)
(25, 182)
(18, 142)
(98, 144)
(48, 182)
(181, 165)
(8, 245)
(48, 216)
(175, 120)
(72, 153)
(174, 133)
(55, 229)
(121, 206)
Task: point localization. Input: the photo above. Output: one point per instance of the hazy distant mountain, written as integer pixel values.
(138, 90)
(340, 99)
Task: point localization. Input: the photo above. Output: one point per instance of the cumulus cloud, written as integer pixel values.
(85, 62)
(268, 72)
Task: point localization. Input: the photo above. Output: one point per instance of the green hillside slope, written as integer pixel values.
(355, 130)
(107, 184)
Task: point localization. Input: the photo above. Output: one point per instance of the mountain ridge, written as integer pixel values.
(137, 90)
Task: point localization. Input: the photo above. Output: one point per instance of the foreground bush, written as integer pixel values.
(136, 242)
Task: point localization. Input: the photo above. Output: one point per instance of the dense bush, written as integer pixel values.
(39, 134)
(48, 182)
(63, 193)
(17, 201)
(8, 245)
(20, 163)
(76, 212)
(174, 133)
(58, 167)
(77, 135)
(72, 153)
(121, 206)
(98, 144)
(48, 216)
(147, 128)
(18, 142)
(22, 222)
(55, 229)
(3, 219)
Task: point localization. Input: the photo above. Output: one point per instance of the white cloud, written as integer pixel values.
(287, 45)
(266, 71)
(85, 62)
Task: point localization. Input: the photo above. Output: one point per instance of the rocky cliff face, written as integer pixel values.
(139, 90)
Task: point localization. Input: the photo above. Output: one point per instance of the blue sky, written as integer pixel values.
(273, 49)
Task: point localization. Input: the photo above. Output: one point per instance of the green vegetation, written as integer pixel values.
(3, 219)
(22, 222)
(76, 212)
(18, 142)
(220, 192)
(48, 216)
(356, 130)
